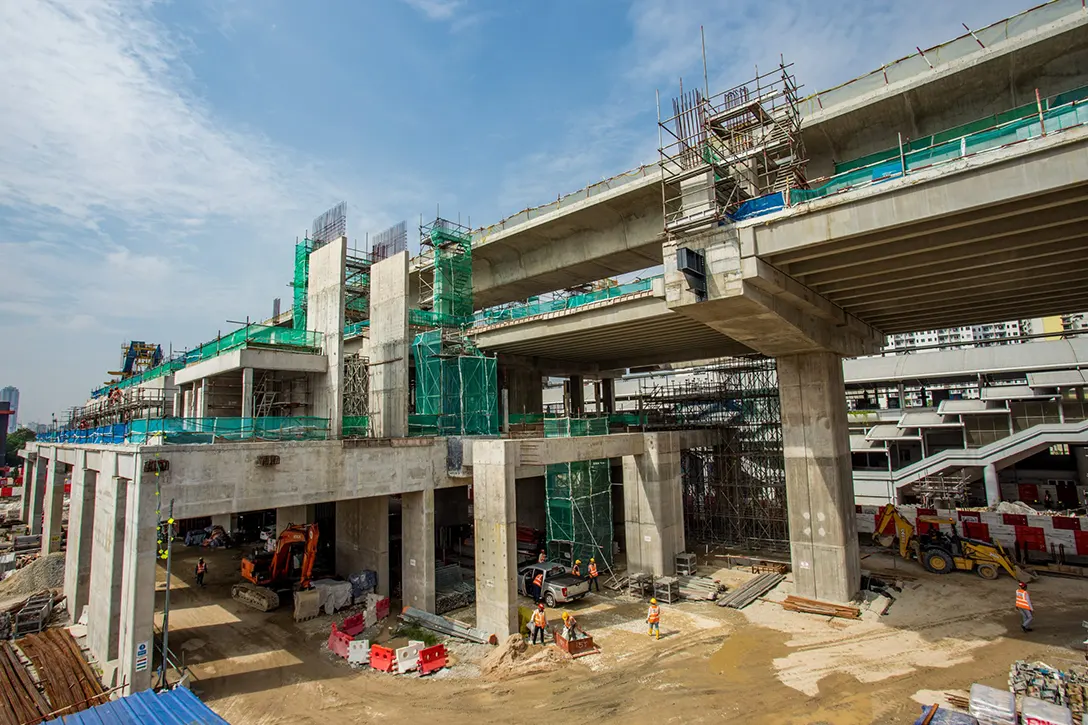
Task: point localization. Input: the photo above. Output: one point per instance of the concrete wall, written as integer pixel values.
(325, 314)
(389, 353)
(362, 538)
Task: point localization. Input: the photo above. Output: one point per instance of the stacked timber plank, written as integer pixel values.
(813, 606)
(699, 588)
(70, 684)
(20, 700)
(752, 590)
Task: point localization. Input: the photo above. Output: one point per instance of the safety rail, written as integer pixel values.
(533, 307)
(210, 430)
(102, 434)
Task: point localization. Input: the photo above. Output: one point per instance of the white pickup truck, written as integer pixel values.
(559, 587)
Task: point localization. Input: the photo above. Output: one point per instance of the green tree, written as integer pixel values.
(15, 442)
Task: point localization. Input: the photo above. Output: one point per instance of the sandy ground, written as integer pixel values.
(760, 665)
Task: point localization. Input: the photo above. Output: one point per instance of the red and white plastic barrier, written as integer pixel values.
(1037, 532)
(10, 491)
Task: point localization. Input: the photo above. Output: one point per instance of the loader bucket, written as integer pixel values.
(1024, 575)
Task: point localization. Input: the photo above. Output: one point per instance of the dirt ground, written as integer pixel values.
(759, 665)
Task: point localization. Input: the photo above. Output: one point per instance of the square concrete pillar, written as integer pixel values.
(138, 583)
(362, 538)
(77, 558)
(389, 353)
(52, 525)
(991, 484)
(417, 549)
(176, 409)
(187, 402)
(576, 395)
(247, 392)
(34, 493)
(819, 482)
(29, 474)
(202, 399)
(107, 564)
(607, 401)
(495, 509)
(325, 315)
(653, 506)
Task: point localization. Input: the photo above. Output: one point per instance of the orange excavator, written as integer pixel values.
(288, 568)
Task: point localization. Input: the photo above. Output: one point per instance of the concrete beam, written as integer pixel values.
(254, 358)
(543, 451)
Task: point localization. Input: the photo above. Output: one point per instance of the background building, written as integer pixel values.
(10, 395)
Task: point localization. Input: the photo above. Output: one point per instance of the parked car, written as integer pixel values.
(559, 587)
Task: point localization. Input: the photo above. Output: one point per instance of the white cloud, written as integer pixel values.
(437, 9)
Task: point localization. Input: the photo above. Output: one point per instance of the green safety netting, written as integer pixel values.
(252, 335)
(536, 307)
(301, 282)
(208, 430)
(456, 388)
(579, 498)
(356, 426)
(452, 272)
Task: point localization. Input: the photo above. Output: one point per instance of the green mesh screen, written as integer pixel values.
(456, 393)
(355, 426)
(208, 430)
(452, 273)
(579, 498)
(300, 283)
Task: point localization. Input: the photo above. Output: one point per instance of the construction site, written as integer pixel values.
(606, 458)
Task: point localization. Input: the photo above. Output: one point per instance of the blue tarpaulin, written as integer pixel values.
(170, 707)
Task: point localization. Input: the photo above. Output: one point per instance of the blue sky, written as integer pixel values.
(158, 159)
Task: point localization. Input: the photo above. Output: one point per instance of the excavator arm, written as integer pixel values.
(890, 526)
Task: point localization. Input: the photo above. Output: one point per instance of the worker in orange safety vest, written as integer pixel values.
(653, 618)
(540, 624)
(577, 569)
(1023, 604)
(541, 559)
(201, 570)
(538, 585)
(593, 575)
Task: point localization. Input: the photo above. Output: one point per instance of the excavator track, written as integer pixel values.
(260, 598)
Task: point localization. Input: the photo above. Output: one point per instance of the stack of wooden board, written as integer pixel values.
(699, 588)
(70, 684)
(813, 606)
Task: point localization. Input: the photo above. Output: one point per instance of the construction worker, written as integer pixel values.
(570, 627)
(542, 558)
(593, 575)
(538, 584)
(540, 624)
(577, 569)
(653, 618)
(201, 570)
(1023, 604)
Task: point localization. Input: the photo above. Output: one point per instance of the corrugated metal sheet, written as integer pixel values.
(172, 707)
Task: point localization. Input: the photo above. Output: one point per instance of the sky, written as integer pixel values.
(159, 159)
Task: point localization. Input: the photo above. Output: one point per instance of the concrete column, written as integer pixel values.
(526, 386)
(389, 353)
(247, 392)
(77, 558)
(325, 316)
(653, 506)
(202, 399)
(577, 395)
(417, 549)
(138, 583)
(362, 538)
(819, 483)
(37, 486)
(107, 563)
(990, 482)
(176, 409)
(608, 395)
(287, 515)
(187, 402)
(52, 525)
(29, 475)
(495, 511)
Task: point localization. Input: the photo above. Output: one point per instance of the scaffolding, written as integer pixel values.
(579, 498)
(721, 152)
(456, 386)
(138, 357)
(356, 395)
(734, 492)
(356, 287)
(446, 247)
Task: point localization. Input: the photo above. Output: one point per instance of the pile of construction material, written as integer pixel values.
(447, 626)
(33, 575)
(66, 681)
(344, 641)
(451, 590)
(752, 590)
(1063, 688)
(991, 706)
(827, 609)
(699, 588)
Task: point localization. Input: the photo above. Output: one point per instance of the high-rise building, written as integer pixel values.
(10, 395)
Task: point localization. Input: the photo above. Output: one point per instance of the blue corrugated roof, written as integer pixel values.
(171, 707)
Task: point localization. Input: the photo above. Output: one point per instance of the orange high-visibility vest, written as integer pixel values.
(1023, 601)
(592, 569)
(654, 615)
(538, 580)
(539, 619)
(201, 568)
(576, 571)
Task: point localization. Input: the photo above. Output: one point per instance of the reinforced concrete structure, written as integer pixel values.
(759, 258)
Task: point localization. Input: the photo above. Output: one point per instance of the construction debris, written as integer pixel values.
(752, 590)
(1068, 688)
(444, 625)
(451, 590)
(699, 588)
(813, 606)
(992, 706)
(45, 572)
(21, 700)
